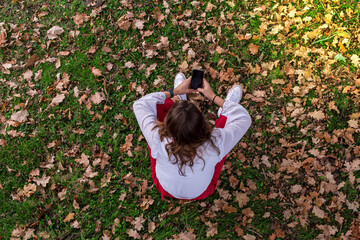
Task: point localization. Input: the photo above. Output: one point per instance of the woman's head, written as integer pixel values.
(186, 125)
(186, 128)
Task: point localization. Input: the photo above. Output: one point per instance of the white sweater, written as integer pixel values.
(195, 181)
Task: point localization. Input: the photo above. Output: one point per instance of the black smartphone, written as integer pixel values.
(197, 79)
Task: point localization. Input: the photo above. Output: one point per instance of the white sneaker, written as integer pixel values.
(179, 78)
(234, 95)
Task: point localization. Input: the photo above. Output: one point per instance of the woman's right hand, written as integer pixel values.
(206, 90)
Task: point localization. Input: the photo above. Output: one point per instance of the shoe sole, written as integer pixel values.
(234, 88)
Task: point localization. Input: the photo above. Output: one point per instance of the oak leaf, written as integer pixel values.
(318, 115)
(133, 233)
(44, 180)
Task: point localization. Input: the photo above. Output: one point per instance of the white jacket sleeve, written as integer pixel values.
(146, 115)
(237, 123)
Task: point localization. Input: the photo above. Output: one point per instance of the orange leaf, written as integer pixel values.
(253, 49)
(69, 217)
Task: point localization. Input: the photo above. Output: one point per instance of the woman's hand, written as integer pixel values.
(184, 88)
(206, 90)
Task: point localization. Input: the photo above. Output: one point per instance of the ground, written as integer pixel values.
(74, 164)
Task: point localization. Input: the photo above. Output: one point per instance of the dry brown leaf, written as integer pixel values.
(151, 227)
(75, 224)
(44, 180)
(54, 32)
(84, 160)
(296, 188)
(96, 72)
(242, 199)
(2, 37)
(318, 115)
(229, 209)
(97, 98)
(133, 233)
(69, 217)
(106, 49)
(209, 7)
(150, 69)
(318, 212)
(28, 74)
(76, 205)
(20, 116)
(57, 100)
(139, 24)
(80, 18)
(253, 49)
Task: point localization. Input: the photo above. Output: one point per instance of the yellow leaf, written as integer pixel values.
(342, 48)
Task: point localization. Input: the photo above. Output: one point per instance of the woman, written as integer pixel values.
(186, 153)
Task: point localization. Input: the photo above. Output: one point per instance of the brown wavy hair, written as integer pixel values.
(186, 128)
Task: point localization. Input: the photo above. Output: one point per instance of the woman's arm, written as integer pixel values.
(146, 115)
(237, 122)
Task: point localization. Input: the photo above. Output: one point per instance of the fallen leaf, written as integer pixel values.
(69, 217)
(318, 115)
(139, 24)
(20, 116)
(253, 49)
(80, 18)
(133, 233)
(57, 100)
(44, 180)
(151, 227)
(97, 98)
(31, 61)
(54, 32)
(242, 199)
(96, 72)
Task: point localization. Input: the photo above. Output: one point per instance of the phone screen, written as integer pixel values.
(197, 79)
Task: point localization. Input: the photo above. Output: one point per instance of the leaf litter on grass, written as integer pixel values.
(297, 62)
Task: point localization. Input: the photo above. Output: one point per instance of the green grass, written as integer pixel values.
(274, 133)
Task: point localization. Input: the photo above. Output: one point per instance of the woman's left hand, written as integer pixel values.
(184, 88)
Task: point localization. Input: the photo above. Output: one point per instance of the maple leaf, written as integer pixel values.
(253, 49)
(54, 32)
